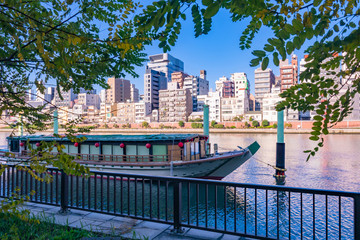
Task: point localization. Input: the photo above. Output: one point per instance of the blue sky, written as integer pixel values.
(218, 52)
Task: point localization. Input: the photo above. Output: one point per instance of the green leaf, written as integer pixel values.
(259, 53)
(314, 138)
(265, 63)
(207, 2)
(297, 24)
(317, 2)
(212, 10)
(276, 58)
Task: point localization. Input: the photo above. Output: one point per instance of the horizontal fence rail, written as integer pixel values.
(258, 211)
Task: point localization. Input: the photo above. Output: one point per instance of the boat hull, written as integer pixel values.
(215, 167)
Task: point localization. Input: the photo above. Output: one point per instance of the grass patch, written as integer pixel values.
(13, 227)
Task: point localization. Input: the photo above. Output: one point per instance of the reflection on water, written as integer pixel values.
(335, 166)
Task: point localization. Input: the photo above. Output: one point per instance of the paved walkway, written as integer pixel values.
(121, 226)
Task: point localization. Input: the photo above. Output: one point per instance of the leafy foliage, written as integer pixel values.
(255, 124)
(333, 25)
(196, 125)
(181, 124)
(265, 123)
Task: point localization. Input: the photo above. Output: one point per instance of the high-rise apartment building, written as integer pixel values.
(134, 93)
(175, 104)
(242, 90)
(165, 63)
(87, 99)
(198, 85)
(119, 90)
(226, 87)
(154, 81)
(289, 72)
(179, 78)
(264, 80)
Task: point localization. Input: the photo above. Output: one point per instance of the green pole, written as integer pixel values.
(206, 126)
(206, 120)
(280, 127)
(56, 122)
(280, 147)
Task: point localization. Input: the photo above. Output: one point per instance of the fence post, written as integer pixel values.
(177, 207)
(64, 193)
(357, 217)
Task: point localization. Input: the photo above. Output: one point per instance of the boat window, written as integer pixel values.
(159, 150)
(73, 149)
(117, 150)
(143, 151)
(94, 150)
(192, 148)
(196, 147)
(84, 148)
(107, 149)
(131, 153)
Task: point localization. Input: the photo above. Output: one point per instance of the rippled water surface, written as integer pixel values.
(335, 167)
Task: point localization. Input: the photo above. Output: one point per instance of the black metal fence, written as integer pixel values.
(258, 211)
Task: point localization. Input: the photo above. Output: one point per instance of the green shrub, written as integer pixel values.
(232, 127)
(287, 125)
(255, 123)
(246, 125)
(213, 123)
(106, 126)
(145, 125)
(181, 124)
(274, 125)
(218, 126)
(115, 126)
(161, 126)
(265, 123)
(196, 125)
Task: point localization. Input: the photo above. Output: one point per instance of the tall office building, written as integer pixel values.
(154, 81)
(289, 72)
(119, 90)
(264, 80)
(165, 63)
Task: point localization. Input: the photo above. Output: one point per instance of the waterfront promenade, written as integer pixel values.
(120, 227)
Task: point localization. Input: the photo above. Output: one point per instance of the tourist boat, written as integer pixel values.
(180, 155)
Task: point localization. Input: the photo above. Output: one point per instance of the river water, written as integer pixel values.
(334, 167)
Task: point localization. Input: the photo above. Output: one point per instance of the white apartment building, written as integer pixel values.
(154, 81)
(142, 110)
(269, 102)
(213, 99)
(197, 86)
(242, 90)
(103, 95)
(264, 80)
(232, 107)
(89, 99)
(175, 103)
(134, 93)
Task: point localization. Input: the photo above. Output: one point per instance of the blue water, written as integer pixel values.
(335, 167)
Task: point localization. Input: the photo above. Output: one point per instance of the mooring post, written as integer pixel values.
(56, 122)
(280, 146)
(177, 207)
(206, 126)
(64, 193)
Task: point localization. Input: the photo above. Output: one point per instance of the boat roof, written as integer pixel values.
(113, 138)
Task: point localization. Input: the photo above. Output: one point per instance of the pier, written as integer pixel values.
(182, 205)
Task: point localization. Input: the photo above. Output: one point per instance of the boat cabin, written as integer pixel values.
(122, 148)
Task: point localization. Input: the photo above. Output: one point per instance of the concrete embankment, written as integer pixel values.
(213, 130)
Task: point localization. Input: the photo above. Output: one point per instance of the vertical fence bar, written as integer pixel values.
(114, 193)
(177, 206)
(326, 217)
(339, 217)
(234, 209)
(357, 217)
(314, 219)
(64, 191)
(108, 193)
